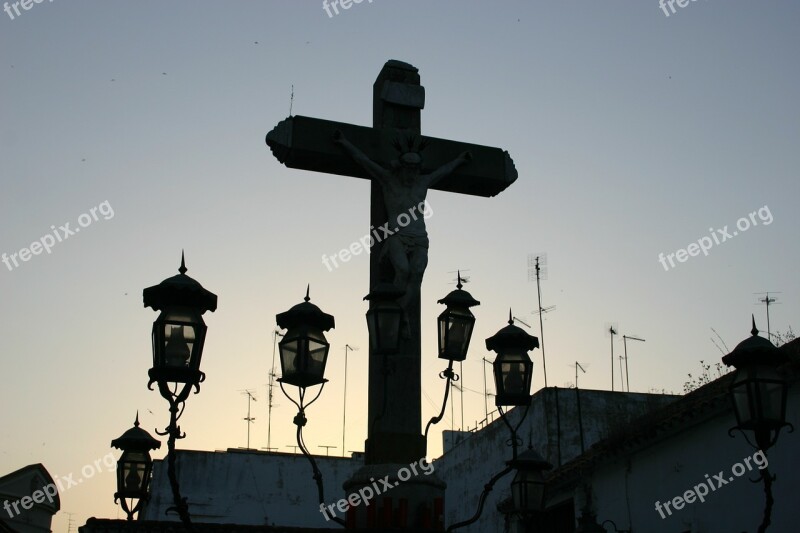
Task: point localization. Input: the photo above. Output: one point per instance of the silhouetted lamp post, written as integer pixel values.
(178, 337)
(384, 318)
(304, 354)
(456, 324)
(134, 467)
(759, 393)
(513, 373)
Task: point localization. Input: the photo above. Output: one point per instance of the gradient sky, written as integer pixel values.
(633, 134)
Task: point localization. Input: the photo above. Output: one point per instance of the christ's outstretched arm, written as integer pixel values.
(445, 170)
(380, 174)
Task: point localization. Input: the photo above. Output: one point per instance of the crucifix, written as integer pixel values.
(402, 165)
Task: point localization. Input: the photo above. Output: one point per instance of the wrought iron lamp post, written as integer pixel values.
(456, 324)
(303, 356)
(513, 374)
(134, 468)
(758, 393)
(178, 337)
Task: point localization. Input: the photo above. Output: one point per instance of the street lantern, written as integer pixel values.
(179, 332)
(527, 487)
(384, 318)
(758, 390)
(304, 349)
(456, 324)
(513, 368)
(134, 467)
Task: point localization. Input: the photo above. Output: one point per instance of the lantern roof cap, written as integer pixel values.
(459, 297)
(305, 313)
(180, 290)
(136, 439)
(755, 350)
(511, 336)
(530, 460)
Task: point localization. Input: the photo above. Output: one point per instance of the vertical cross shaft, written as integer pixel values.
(395, 390)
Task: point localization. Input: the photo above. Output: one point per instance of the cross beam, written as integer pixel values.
(305, 143)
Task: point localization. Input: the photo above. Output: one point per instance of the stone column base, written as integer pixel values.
(404, 496)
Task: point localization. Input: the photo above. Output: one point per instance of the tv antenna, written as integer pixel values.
(459, 278)
(249, 419)
(344, 401)
(537, 269)
(611, 330)
(577, 366)
(275, 334)
(544, 310)
(621, 375)
(291, 101)
(768, 301)
(625, 339)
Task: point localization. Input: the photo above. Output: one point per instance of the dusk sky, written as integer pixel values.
(635, 133)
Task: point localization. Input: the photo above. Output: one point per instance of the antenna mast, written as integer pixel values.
(767, 301)
(539, 260)
(625, 343)
(249, 419)
(612, 330)
(344, 401)
(275, 334)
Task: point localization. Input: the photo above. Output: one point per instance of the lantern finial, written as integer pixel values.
(459, 285)
(754, 331)
(136, 423)
(308, 289)
(182, 269)
(510, 318)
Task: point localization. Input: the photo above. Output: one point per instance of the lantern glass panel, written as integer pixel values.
(527, 490)
(132, 474)
(741, 403)
(177, 339)
(290, 349)
(317, 352)
(771, 393)
(455, 332)
(513, 373)
(759, 397)
(304, 352)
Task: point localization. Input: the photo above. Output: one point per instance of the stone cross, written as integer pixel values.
(402, 165)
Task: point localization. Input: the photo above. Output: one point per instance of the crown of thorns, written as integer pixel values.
(411, 144)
